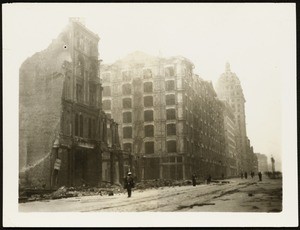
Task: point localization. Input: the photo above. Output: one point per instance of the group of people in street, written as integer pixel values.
(129, 182)
(252, 174)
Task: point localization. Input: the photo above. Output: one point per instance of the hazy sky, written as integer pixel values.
(256, 39)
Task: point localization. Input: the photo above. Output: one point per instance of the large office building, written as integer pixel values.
(169, 118)
(229, 89)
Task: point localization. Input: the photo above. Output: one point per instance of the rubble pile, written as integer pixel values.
(65, 192)
(163, 183)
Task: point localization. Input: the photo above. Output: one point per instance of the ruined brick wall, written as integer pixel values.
(40, 106)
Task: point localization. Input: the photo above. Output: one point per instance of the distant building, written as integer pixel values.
(65, 137)
(169, 118)
(229, 88)
(262, 162)
(230, 141)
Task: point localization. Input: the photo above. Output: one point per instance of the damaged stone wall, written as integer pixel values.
(40, 105)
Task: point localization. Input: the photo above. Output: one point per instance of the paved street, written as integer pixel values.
(240, 195)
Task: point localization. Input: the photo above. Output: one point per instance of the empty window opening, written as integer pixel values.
(148, 115)
(148, 101)
(127, 103)
(170, 85)
(127, 117)
(171, 129)
(149, 147)
(127, 132)
(170, 99)
(171, 114)
(149, 131)
(171, 146)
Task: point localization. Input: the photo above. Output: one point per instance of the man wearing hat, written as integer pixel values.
(129, 183)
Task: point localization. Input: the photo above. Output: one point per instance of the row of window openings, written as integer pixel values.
(149, 131)
(148, 115)
(148, 88)
(149, 147)
(147, 74)
(148, 102)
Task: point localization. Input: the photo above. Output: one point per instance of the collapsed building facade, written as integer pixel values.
(229, 89)
(169, 118)
(65, 137)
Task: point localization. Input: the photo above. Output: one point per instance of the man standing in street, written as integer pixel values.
(129, 183)
(260, 176)
(194, 177)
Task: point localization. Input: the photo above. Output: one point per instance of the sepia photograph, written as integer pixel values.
(139, 114)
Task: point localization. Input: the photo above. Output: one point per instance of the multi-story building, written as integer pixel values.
(65, 137)
(262, 162)
(230, 140)
(229, 88)
(169, 118)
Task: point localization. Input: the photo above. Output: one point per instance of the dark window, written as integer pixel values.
(171, 146)
(76, 125)
(170, 85)
(148, 115)
(149, 147)
(106, 91)
(127, 103)
(127, 117)
(126, 89)
(127, 132)
(148, 87)
(171, 114)
(107, 104)
(127, 147)
(80, 125)
(171, 129)
(148, 101)
(149, 131)
(170, 99)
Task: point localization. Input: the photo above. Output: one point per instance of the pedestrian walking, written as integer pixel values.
(252, 175)
(194, 177)
(209, 179)
(246, 175)
(242, 175)
(129, 183)
(260, 176)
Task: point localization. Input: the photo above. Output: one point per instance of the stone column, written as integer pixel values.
(112, 167)
(121, 166)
